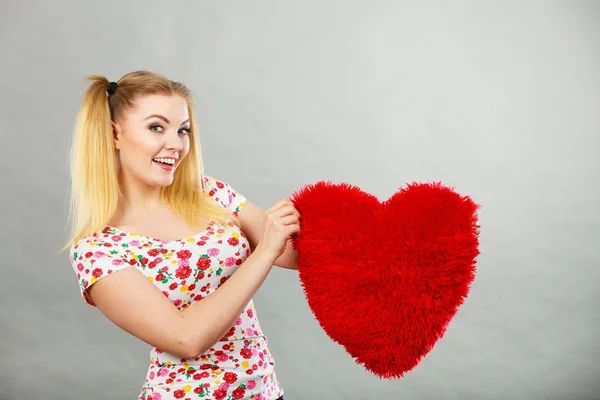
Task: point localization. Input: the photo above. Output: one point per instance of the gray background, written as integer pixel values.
(499, 99)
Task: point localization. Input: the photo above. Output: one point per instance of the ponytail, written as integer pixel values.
(94, 187)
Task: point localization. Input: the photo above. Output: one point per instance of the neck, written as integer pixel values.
(137, 198)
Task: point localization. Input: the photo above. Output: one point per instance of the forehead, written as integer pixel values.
(173, 107)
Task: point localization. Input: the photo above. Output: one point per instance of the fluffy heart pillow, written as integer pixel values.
(384, 279)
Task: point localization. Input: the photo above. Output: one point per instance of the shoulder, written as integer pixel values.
(93, 258)
(223, 193)
(97, 247)
(212, 184)
(88, 244)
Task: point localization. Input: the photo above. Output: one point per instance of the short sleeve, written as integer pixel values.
(92, 260)
(224, 194)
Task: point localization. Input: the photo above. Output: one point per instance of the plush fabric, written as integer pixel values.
(384, 279)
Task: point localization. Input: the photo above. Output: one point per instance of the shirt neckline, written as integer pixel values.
(138, 235)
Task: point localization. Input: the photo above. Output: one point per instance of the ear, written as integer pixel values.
(116, 132)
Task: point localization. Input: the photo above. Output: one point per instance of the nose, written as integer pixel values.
(174, 142)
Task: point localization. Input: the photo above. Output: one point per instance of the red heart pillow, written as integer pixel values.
(384, 279)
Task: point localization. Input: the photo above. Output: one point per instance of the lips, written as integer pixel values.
(165, 163)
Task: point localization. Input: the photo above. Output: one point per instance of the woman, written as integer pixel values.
(153, 239)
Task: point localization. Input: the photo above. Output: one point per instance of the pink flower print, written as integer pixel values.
(259, 397)
(157, 396)
(117, 262)
(238, 321)
(183, 262)
(116, 238)
(163, 372)
(249, 332)
(152, 375)
(99, 254)
(224, 386)
(230, 261)
(251, 385)
(134, 243)
(223, 357)
(213, 252)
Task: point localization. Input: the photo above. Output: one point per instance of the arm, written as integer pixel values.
(139, 308)
(252, 222)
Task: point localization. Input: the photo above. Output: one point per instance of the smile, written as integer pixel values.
(165, 163)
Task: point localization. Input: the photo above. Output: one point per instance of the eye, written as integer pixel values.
(156, 127)
(184, 131)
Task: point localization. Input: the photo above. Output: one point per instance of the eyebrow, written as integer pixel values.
(164, 118)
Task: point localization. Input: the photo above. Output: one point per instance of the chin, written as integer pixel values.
(161, 182)
(164, 184)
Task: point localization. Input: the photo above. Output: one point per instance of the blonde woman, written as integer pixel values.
(166, 253)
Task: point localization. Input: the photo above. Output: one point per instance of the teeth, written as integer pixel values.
(169, 161)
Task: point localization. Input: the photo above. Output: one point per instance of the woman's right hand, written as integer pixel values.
(280, 222)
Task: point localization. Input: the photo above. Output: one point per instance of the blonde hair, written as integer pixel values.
(94, 185)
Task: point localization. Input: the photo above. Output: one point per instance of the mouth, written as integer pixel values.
(165, 163)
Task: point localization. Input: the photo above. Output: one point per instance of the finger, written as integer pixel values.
(286, 210)
(290, 210)
(273, 210)
(289, 220)
(281, 223)
(281, 217)
(282, 203)
(292, 229)
(279, 204)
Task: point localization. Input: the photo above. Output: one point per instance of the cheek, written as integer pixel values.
(147, 145)
(186, 146)
(139, 148)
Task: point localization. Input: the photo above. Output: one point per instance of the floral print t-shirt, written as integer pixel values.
(239, 365)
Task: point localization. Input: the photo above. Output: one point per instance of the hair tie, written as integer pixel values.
(112, 87)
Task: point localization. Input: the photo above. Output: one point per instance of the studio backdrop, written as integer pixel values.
(498, 99)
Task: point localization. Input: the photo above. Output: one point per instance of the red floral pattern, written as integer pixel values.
(238, 366)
